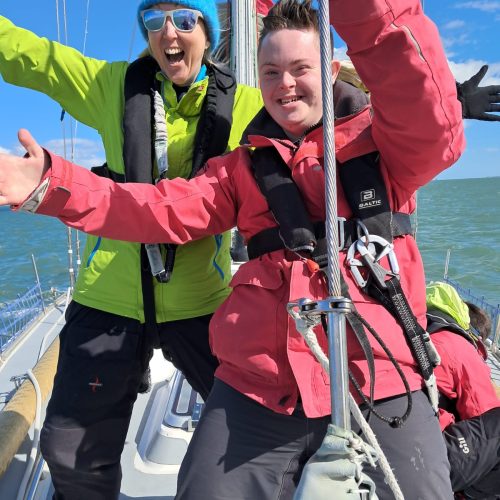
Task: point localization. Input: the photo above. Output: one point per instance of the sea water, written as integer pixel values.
(460, 215)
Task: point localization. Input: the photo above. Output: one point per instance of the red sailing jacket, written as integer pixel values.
(462, 377)
(416, 126)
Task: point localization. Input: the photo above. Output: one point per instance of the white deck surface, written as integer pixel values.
(141, 479)
(135, 484)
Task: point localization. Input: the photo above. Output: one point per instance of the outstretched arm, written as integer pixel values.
(87, 88)
(173, 211)
(479, 102)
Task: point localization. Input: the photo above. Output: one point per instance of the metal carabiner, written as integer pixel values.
(371, 260)
(365, 247)
(354, 264)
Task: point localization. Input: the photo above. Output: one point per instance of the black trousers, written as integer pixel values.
(474, 453)
(244, 451)
(101, 364)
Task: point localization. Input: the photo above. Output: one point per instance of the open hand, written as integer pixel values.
(19, 176)
(479, 102)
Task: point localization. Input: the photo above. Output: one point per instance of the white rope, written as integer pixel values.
(305, 328)
(161, 135)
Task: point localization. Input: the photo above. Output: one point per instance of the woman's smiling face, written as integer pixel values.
(179, 54)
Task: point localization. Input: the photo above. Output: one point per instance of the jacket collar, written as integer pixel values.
(352, 137)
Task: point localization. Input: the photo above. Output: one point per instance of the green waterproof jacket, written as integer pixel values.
(92, 91)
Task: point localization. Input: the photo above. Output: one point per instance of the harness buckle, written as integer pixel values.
(365, 246)
(341, 225)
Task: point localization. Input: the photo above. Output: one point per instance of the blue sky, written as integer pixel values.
(469, 30)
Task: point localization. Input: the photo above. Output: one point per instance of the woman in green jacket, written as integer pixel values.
(110, 328)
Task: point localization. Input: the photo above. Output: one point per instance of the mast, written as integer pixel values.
(243, 61)
(243, 57)
(336, 317)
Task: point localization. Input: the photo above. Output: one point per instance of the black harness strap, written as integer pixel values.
(214, 127)
(295, 230)
(365, 192)
(269, 240)
(138, 146)
(212, 131)
(211, 139)
(104, 171)
(138, 153)
(394, 300)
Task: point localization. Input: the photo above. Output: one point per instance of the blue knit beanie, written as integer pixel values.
(207, 7)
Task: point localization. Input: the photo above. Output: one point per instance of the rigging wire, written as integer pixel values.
(73, 127)
(132, 40)
(33, 459)
(63, 130)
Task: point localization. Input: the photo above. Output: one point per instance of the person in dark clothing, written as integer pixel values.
(119, 310)
(469, 409)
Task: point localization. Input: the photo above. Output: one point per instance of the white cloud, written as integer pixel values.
(87, 153)
(340, 53)
(5, 150)
(455, 24)
(484, 5)
(464, 70)
(451, 41)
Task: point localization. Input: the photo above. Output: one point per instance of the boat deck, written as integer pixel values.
(141, 479)
(25, 351)
(158, 433)
(494, 365)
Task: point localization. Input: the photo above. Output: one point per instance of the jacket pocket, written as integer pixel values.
(248, 331)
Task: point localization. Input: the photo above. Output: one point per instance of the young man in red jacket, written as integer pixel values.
(270, 406)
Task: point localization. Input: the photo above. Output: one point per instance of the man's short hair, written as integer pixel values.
(291, 15)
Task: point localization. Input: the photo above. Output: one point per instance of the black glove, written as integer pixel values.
(478, 102)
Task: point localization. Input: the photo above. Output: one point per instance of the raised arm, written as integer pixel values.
(417, 120)
(173, 211)
(83, 86)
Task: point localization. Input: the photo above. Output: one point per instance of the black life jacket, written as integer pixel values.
(360, 178)
(211, 139)
(212, 131)
(439, 320)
